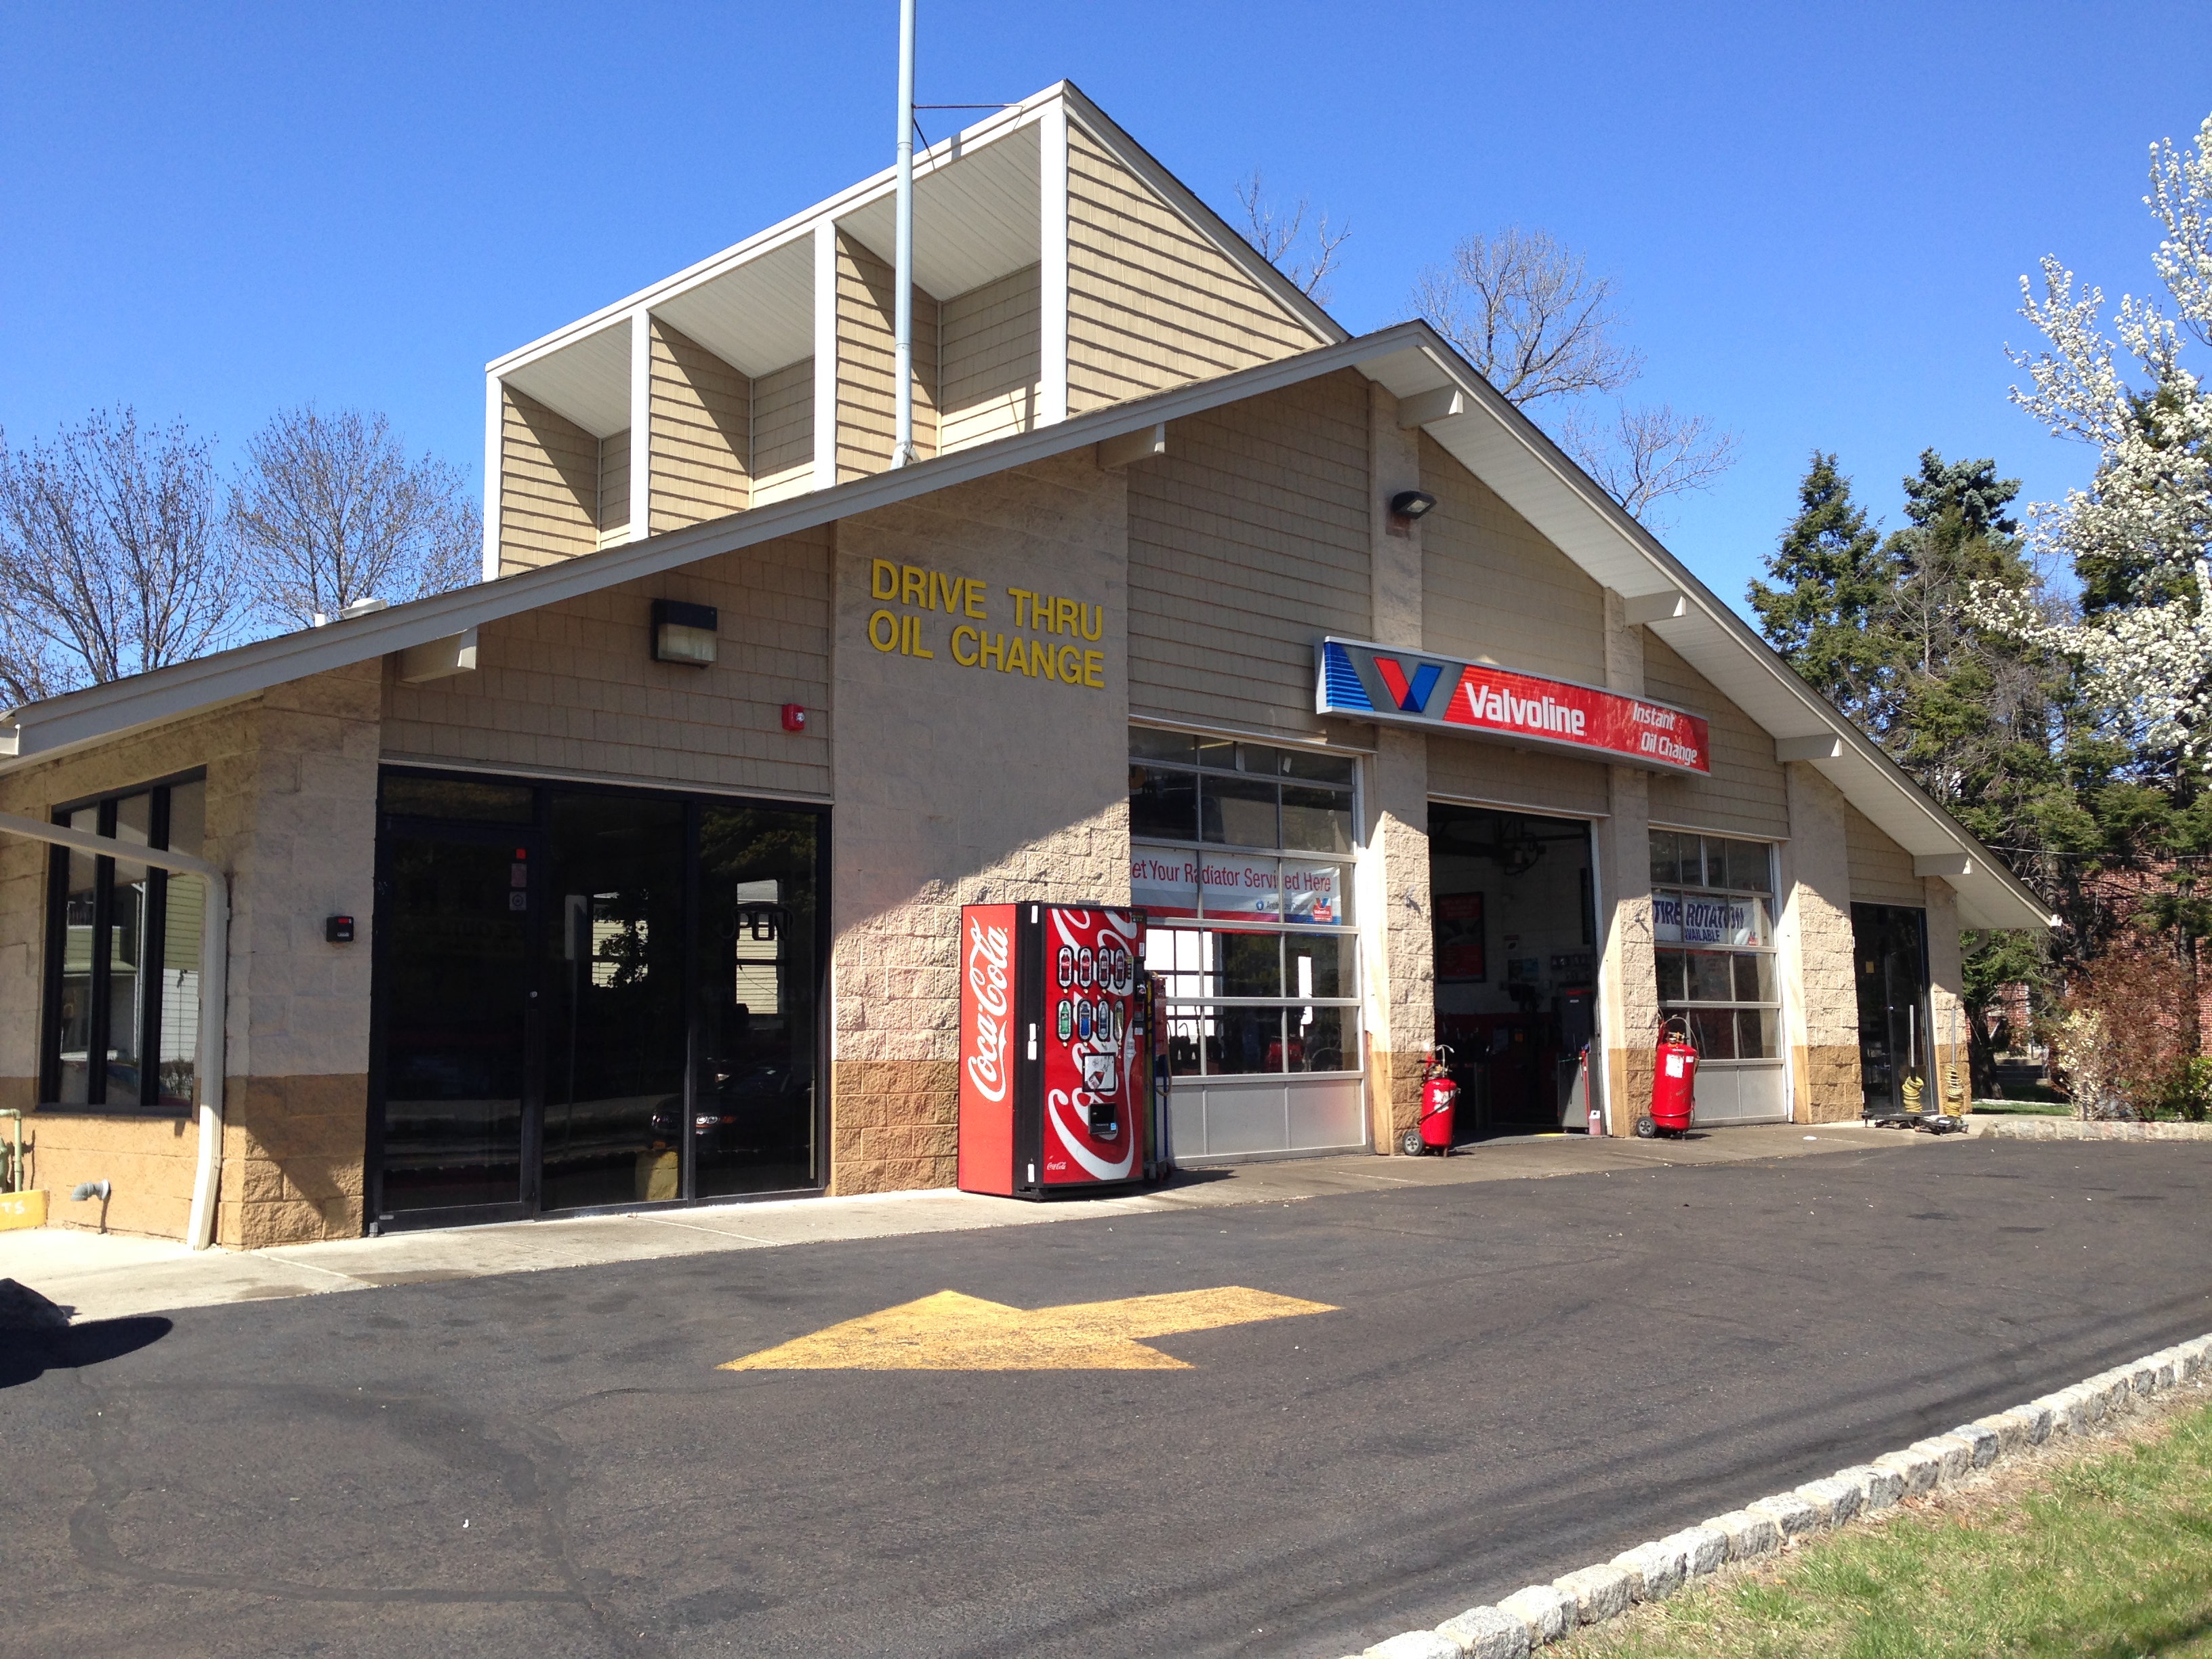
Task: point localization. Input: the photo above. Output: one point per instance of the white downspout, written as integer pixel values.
(902, 254)
(215, 987)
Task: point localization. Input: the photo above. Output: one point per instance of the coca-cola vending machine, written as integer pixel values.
(1055, 1060)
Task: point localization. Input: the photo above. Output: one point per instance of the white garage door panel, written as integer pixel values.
(1740, 1093)
(1227, 1118)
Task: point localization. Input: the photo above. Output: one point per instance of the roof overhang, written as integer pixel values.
(1490, 437)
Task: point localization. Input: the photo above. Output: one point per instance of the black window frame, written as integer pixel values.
(55, 945)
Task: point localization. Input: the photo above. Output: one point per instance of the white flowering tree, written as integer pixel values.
(2140, 536)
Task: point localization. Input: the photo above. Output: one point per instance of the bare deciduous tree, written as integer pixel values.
(1649, 452)
(1526, 311)
(330, 511)
(1278, 235)
(114, 556)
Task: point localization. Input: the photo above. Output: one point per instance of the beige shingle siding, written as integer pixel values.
(549, 485)
(1150, 303)
(1747, 795)
(703, 413)
(866, 354)
(614, 489)
(1248, 540)
(1493, 590)
(573, 687)
(1471, 769)
(989, 339)
(783, 433)
(1881, 871)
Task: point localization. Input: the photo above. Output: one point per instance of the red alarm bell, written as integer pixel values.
(794, 717)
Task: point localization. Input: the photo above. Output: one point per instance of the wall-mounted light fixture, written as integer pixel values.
(1411, 503)
(684, 633)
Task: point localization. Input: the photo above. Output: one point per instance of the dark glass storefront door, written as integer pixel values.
(1890, 952)
(454, 913)
(588, 999)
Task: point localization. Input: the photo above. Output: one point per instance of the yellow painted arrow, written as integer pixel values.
(950, 1332)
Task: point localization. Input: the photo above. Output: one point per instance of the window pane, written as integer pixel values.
(1316, 820)
(1218, 753)
(1178, 956)
(1162, 803)
(1754, 1034)
(1317, 893)
(1163, 880)
(73, 1016)
(1754, 979)
(1748, 866)
(1321, 769)
(1667, 917)
(1320, 965)
(187, 818)
(134, 820)
(1713, 1031)
(1673, 983)
(1248, 965)
(1666, 858)
(1242, 1041)
(1260, 762)
(127, 987)
(1318, 1039)
(1709, 977)
(1186, 1036)
(472, 798)
(179, 1030)
(1146, 743)
(1238, 811)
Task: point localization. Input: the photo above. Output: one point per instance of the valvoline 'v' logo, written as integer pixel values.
(1411, 695)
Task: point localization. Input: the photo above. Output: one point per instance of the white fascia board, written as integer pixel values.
(1201, 218)
(943, 152)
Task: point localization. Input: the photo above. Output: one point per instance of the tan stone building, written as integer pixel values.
(653, 843)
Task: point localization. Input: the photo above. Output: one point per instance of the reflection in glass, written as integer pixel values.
(1673, 976)
(1317, 965)
(1321, 769)
(1148, 743)
(454, 998)
(73, 1013)
(1755, 1033)
(1244, 1040)
(615, 1003)
(1713, 1031)
(754, 1119)
(126, 984)
(1709, 979)
(1319, 894)
(1237, 811)
(475, 799)
(1318, 1039)
(1162, 803)
(1316, 820)
(1249, 965)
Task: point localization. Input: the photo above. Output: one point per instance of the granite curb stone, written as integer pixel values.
(1529, 1619)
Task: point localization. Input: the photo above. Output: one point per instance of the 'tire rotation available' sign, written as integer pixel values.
(1377, 682)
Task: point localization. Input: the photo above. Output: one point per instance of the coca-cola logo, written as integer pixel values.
(987, 988)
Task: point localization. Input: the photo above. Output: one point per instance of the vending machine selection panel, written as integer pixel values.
(1054, 1056)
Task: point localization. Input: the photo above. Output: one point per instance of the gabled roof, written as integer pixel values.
(1490, 437)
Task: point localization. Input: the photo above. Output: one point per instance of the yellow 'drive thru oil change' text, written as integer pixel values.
(963, 600)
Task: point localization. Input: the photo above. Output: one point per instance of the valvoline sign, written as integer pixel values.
(1377, 682)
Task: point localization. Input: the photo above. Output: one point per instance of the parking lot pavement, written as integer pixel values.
(1352, 1414)
(109, 1276)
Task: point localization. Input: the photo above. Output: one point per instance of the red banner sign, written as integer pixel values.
(1370, 682)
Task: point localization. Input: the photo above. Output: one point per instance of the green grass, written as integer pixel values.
(2106, 1557)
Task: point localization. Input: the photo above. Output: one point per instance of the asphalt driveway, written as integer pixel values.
(1519, 1377)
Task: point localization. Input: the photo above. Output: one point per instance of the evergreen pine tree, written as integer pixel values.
(1822, 614)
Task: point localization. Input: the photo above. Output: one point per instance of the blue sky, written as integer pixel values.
(1817, 215)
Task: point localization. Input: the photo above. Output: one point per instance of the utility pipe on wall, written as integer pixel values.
(902, 254)
(215, 977)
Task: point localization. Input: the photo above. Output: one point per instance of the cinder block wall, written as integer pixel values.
(959, 784)
(1814, 931)
(291, 782)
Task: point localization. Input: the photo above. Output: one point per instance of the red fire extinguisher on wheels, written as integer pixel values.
(1439, 1094)
(1673, 1082)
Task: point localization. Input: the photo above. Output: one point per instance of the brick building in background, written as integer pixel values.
(1311, 645)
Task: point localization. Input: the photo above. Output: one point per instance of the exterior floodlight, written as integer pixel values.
(684, 633)
(1411, 503)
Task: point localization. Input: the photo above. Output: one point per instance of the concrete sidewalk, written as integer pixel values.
(112, 1275)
